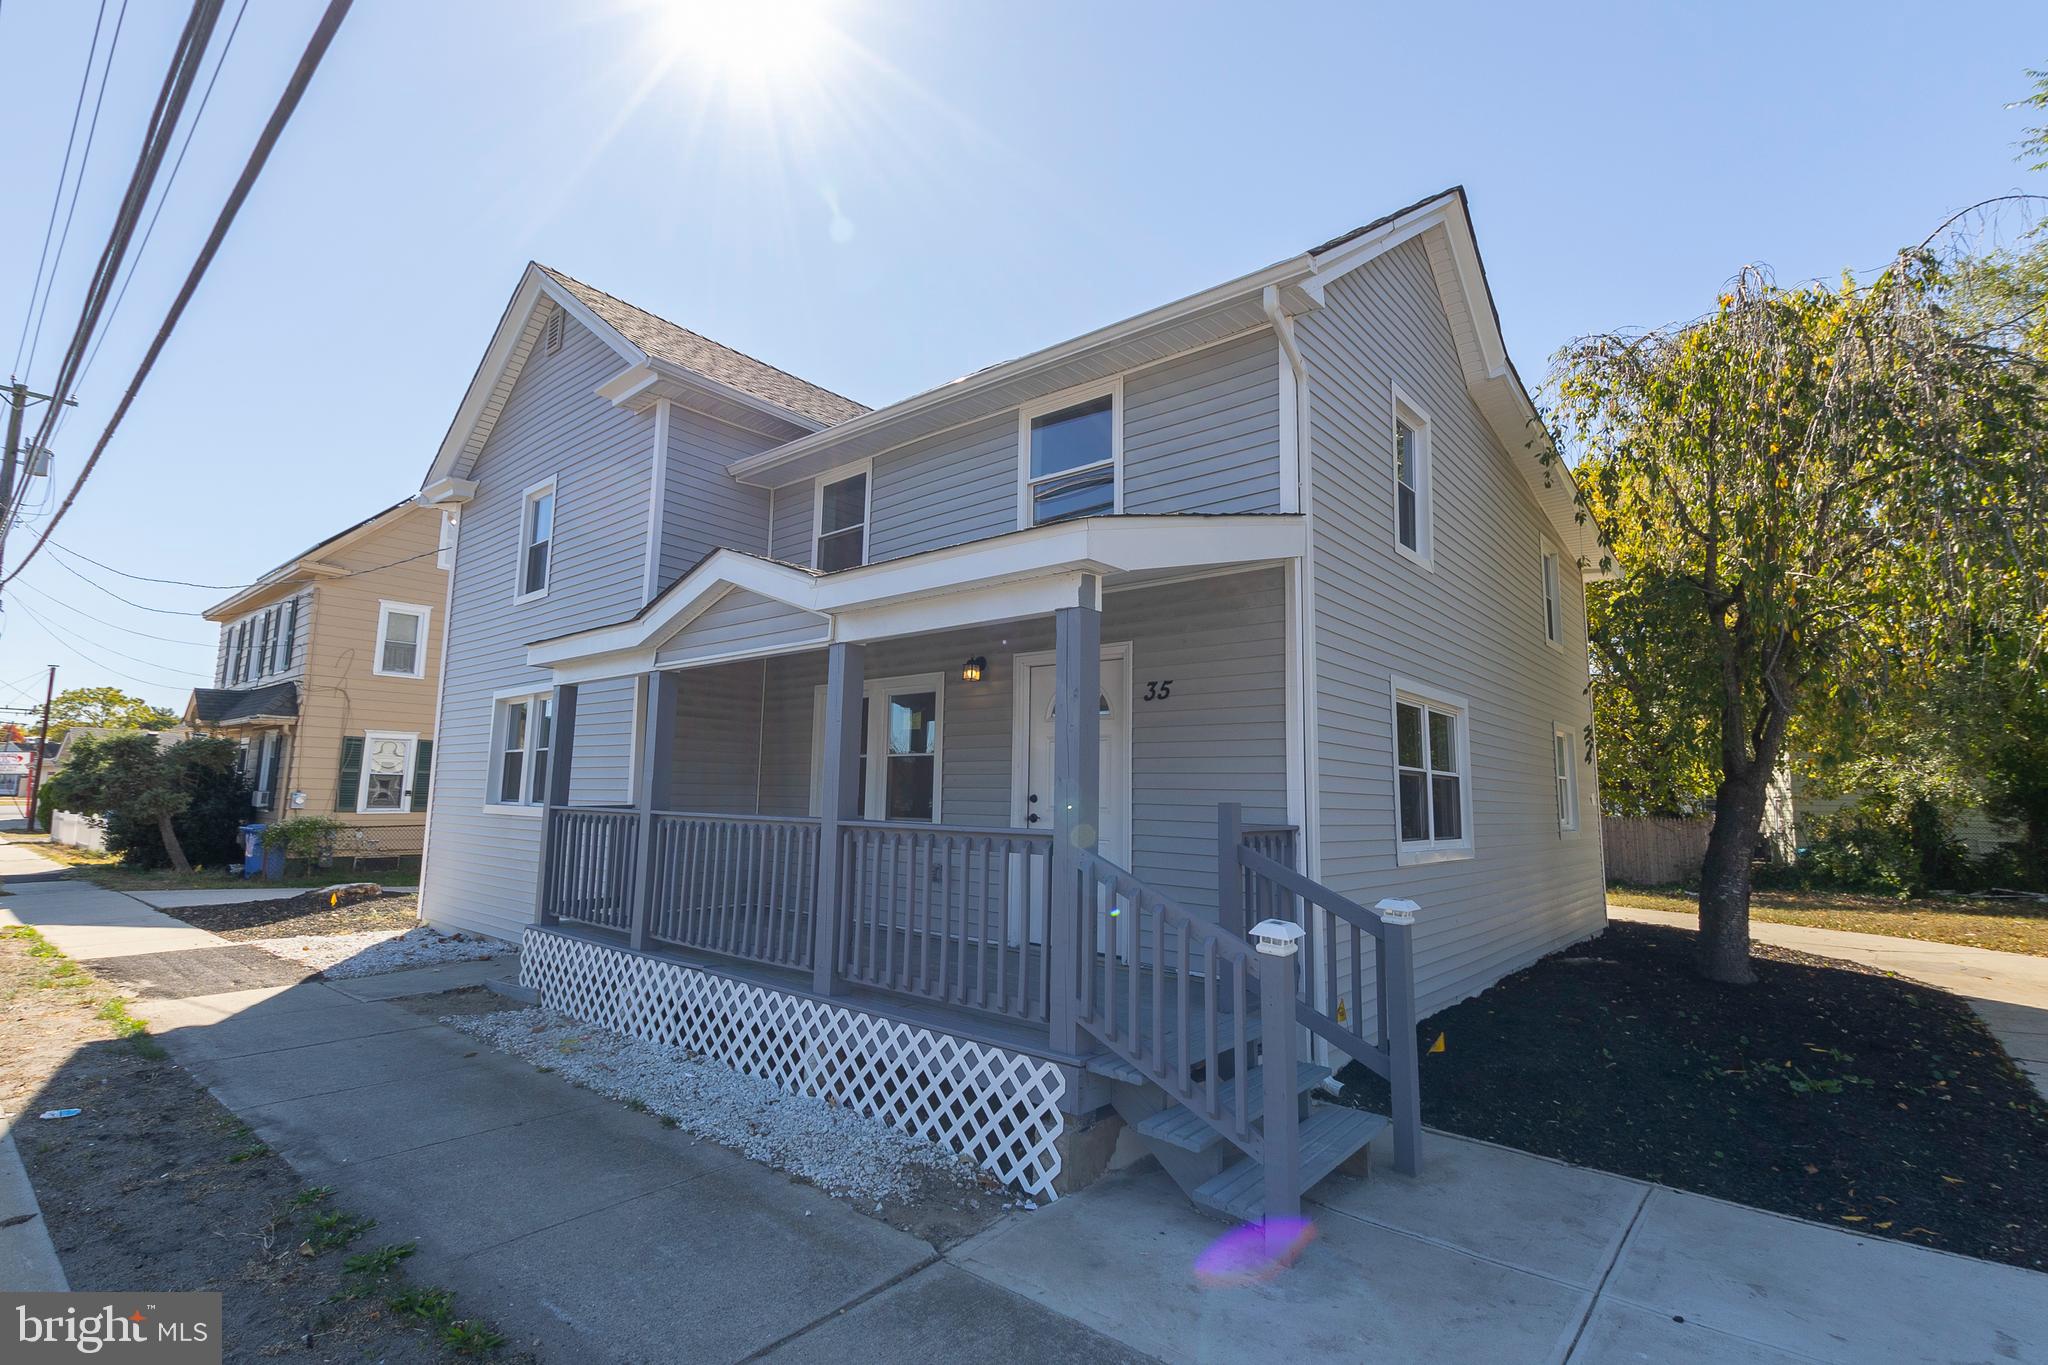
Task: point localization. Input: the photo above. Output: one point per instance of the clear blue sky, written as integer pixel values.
(922, 189)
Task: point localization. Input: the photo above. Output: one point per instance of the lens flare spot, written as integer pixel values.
(1254, 1253)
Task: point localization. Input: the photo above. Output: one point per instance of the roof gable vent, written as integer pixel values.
(554, 342)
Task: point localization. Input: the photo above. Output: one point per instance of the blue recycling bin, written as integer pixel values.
(258, 861)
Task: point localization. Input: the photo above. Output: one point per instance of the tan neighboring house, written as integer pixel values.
(326, 675)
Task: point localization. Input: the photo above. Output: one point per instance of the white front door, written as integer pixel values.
(1113, 841)
(387, 772)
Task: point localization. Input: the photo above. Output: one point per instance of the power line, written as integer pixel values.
(169, 182)
(125, 630)
(78, 186)
(124, 601)
(295, 88)
(140, 578)
(163, 119)
(96, 644)
(63, 173)
(73, 646)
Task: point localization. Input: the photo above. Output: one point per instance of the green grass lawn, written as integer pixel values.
(104, 869)
(2009, 926)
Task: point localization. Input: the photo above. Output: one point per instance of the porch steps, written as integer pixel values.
(1112, 1066)
(1180, 1126)
(1330, 1136)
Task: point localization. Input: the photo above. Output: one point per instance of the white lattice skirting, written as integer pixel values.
(998, 1108)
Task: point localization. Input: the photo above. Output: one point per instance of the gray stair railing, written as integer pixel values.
(1149, 971)
(1333, 947)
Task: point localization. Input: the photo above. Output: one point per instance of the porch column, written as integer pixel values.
(660, 695)
(1076, 799)
(838, 800)
(555, 794)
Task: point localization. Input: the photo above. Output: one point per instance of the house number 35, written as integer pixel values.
(1159, 690)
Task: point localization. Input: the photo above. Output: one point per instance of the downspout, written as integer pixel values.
(1283, 327)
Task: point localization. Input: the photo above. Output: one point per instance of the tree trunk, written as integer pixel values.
(1722, 952)
(172, 846)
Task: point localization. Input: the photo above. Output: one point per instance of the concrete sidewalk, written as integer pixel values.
(595, 1231)
(2009, 991)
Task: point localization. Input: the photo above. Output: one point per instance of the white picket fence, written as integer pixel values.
(79, 831)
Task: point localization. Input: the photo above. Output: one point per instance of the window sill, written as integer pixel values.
(1415, 855)
(1415, 557)
(519, 597)
(409, 677)
(508, 808)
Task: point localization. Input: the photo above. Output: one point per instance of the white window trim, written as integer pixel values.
(385, 611)
(1567, 826)
(1551, 562)
(874, 693)
(1038, 407)
(1406, 853)
(867, 511)
(526, 500)
(412, 760)
(1407, 411)
(494, 773)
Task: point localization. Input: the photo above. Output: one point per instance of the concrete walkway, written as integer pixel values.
(596, 1232)
(2008, 990)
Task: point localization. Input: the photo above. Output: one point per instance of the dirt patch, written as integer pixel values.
(156, 1186)
(304, 914)
(1827, 1090)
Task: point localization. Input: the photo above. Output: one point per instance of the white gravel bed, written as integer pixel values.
(839, 1151)
(375, 951)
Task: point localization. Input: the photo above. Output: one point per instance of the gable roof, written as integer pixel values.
(235, 705)
(661, 339)
(654, 354)
(283, 573)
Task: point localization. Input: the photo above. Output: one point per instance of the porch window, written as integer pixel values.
(902, 781)
(842, 523)
(1071, 457)
(525, 733)
(913, 755)
(401, 640)
(536, 540)
(1567, 779)
(1412, 510)
(1430, 777)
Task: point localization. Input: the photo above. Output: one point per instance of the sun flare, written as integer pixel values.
(765, 45)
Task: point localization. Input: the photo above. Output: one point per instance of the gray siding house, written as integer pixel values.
(1030, 749)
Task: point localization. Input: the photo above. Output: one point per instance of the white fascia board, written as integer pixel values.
(628, 384)
(974, 606)
(1091, 546)
(446, 492)
(759, 467)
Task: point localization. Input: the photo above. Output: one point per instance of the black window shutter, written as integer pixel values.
(422, 773)
(291, 633)
(351, 773)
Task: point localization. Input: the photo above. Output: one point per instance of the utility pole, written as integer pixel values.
(18, 399)
(35, 776)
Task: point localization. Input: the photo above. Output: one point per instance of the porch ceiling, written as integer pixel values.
(1024, 573)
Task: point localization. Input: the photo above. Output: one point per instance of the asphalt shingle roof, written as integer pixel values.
(664, 340)
(230, 705)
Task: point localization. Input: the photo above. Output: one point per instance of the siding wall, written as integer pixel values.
(340, 694)
(223, 657)
(480, 875)
(1220, 735)
(739, 621)
(1472, 627)
(1201, 434)
(702, 508)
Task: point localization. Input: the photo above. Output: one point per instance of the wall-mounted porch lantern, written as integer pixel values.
(971, 670)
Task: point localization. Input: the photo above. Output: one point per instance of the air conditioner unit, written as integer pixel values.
(260, 800)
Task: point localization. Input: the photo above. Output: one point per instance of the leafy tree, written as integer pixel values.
(1799, 485)
(129, 778)
(106, 707)
(1656, 741)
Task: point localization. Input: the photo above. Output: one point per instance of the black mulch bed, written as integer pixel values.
(309, 912)
(1827, 1090)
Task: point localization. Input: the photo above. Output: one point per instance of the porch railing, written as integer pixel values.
(741, 885)
(1341, 943)
(946, 913)
(589, 862)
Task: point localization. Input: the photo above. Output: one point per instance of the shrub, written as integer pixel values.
(1902, 849)
(306, 838)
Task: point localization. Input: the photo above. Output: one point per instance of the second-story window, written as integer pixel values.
(288, 636)
(401, 640)
(242, 652)
(536, 539)
(266, 644)
(1070, 460)
(842, 535)
(1412, 478)
(1553, 598)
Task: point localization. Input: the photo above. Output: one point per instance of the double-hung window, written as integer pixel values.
(266, 646)
(1567, 779)
(536, 540)
(401, 640)
(1071, 453)
(287, 637)
(1553, 597)
(901, 780)
(1412, 509)
(841, 538)
(522, 734)
(241, 669)
(1431, 772)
